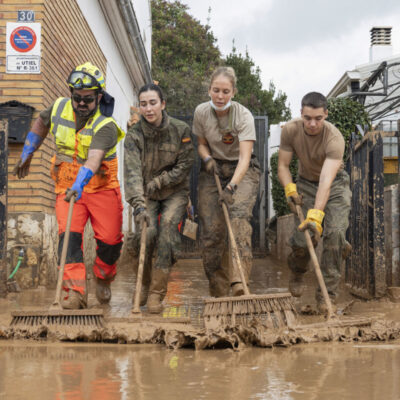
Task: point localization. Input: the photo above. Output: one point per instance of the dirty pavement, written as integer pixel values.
(357, 361)
(185, 298)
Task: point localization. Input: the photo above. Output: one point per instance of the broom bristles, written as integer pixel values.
(76, 318)
(273, 310)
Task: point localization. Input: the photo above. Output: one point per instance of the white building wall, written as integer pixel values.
(143, 15)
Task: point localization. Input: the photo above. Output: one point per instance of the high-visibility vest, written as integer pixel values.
(73, 148)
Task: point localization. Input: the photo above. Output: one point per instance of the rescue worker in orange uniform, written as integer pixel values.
(85, 164)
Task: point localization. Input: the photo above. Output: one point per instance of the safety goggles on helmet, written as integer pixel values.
(82, 80)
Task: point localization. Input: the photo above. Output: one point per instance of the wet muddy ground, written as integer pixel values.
(49, 369)
(188, 287)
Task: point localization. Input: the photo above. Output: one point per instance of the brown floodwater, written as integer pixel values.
(73, 371)
(89, 371)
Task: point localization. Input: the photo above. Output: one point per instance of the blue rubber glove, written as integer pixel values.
(81, 180)
(32, 143)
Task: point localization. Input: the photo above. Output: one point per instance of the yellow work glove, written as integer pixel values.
(292, 197)
(313, 222)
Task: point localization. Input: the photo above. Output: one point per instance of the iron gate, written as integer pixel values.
(365, 268)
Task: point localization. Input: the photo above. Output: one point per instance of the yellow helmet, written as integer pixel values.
(86, 76)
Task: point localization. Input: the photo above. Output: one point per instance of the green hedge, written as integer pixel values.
(277, 191)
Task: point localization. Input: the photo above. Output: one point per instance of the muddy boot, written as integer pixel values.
(296, 283)
(323, 309)
(321, 305)
(144, 294)
(72, 300)
(297, 262)
(154, 304)
(157, 291)
(237, 289)
(103, 290)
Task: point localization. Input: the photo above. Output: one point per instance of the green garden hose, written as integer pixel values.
(20, 258)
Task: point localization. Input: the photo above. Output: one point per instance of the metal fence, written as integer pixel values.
(366, 271)
(260, 211)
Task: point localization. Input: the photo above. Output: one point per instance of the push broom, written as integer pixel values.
(137, 316)
(332, 319)
(275, 310)
(56, 316)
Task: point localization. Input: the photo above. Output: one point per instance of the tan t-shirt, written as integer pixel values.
(224, 145)
(312, 150)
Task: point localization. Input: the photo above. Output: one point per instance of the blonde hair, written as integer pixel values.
(228, 72)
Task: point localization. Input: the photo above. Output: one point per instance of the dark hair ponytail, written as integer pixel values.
(152, 86)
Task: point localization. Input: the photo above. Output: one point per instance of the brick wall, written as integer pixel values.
(67, 41)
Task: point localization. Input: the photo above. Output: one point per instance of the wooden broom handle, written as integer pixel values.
(315, 263)
(57, 299)
(236, 257)
(139, 277)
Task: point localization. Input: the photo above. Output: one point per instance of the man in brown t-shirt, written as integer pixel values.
(322, 190)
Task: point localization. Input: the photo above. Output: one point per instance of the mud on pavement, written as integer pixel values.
(186, 286)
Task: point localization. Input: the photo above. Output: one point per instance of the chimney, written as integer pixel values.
(381, 43)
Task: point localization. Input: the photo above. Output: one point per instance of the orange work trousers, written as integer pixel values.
(104, 209)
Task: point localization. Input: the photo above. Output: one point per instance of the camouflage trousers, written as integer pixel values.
(335, 224)
(213, 232)
(162, 242)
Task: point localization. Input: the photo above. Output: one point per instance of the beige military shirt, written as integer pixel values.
(312, 150)
(224, 134)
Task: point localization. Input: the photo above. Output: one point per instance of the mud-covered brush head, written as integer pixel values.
(275, 311)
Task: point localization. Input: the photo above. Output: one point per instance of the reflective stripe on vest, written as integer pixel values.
(76, 144)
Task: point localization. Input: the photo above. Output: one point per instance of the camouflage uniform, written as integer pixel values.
(336, 222)
(213, 227)
(167, 152)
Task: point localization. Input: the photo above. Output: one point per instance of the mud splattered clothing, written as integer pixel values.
(214, 234)
(312, 152)
(165, 153)
(223, 136)
(335, 224)
(101, 196)
(107, 232)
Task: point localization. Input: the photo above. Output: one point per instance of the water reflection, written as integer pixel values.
(322, 371)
